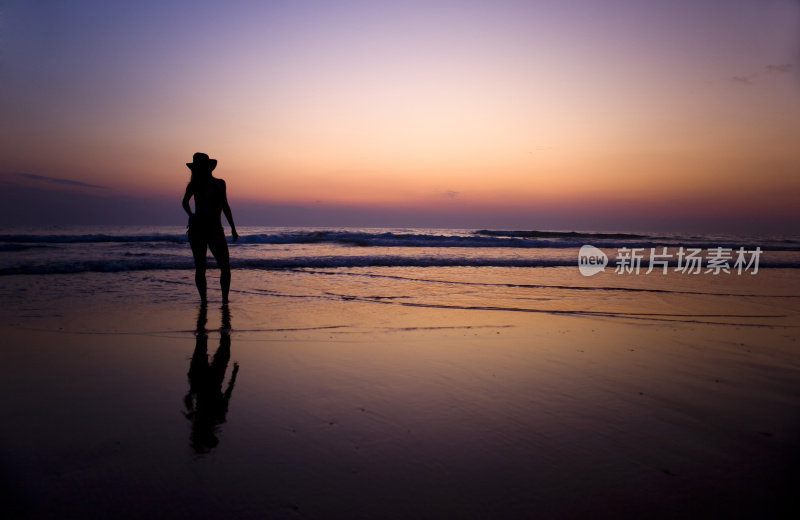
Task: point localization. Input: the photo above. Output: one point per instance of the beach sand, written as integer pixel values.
(368, 405)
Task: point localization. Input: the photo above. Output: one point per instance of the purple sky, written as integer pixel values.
(603, 114)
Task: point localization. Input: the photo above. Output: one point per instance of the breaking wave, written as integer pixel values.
(477, 239)
(149, 263)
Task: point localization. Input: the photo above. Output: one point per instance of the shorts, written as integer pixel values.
(211, 237)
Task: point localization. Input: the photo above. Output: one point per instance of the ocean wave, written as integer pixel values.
(91, 238)
(347, 238)
(559, 234)
(13, 248)
(150, 263)
(478, 239)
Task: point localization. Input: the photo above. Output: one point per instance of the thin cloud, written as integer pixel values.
(450, 194)
(742, 80)
(68, 182)
(780, 69)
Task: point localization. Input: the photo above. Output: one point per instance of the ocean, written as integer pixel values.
(518, 270)
(117, 249)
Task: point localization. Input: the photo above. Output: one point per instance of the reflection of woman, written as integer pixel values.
(206, 403)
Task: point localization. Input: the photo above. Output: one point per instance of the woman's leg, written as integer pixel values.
(199, 254)
(219, 248)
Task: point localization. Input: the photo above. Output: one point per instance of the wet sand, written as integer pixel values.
(352, 409)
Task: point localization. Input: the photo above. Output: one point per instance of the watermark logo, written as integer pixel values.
(591, 260)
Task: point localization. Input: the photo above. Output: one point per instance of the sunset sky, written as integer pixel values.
(582, 114)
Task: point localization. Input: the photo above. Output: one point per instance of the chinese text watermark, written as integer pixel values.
(685, 260)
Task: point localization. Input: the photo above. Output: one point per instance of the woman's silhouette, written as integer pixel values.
(205, 223)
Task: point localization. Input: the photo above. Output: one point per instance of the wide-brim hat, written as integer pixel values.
(201, 160)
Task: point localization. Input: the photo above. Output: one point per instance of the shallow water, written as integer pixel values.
(771, 298)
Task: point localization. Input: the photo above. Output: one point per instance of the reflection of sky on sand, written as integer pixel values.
(372, 409)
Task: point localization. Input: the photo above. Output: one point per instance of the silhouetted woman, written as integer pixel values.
(205, 223)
